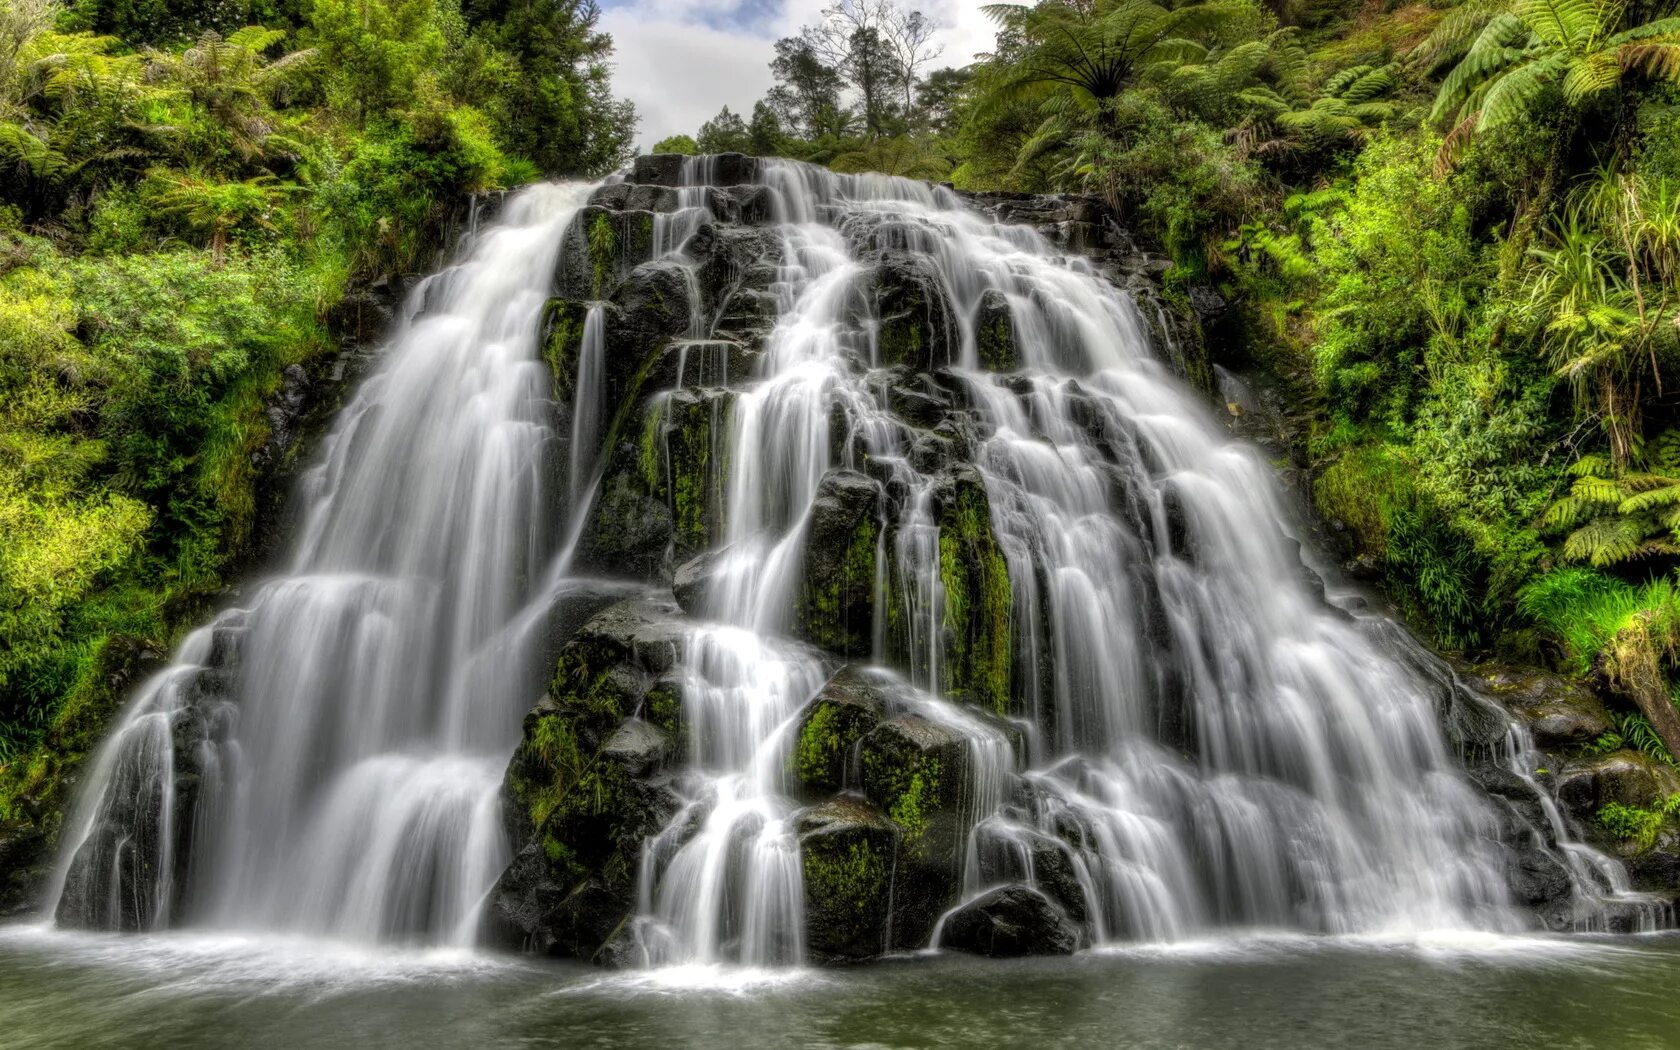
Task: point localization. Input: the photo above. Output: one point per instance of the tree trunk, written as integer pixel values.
(1632, 663)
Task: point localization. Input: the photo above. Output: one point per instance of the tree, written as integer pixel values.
(556, 107)
(1068, 61)
(765, 137)
(1583, 47)
(910, 35)
(677, 144)
(380, 52)
(940, 99)
(855, 38)
(724, 133)
(806, 97)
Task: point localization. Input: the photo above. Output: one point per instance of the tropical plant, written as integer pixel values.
(1582, 47)
(1070, 61)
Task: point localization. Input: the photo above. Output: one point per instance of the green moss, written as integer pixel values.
(819, 747)
(1635, 824)
(846, 885)
(697, 469)
(566, 320)
(651, 448)
(910, 787)
(909, 809)
(979, 601)
(603, 251)
(836, 609)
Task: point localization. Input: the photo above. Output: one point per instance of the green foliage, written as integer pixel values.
(1634, 824)
(181, 205)
(676, 144)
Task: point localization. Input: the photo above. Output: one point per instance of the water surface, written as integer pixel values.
(184, 991)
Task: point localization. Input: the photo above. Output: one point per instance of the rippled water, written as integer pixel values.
(185, 991)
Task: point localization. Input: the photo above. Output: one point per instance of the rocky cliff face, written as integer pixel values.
(883, 787)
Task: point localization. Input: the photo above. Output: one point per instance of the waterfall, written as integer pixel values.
(1084, 596)
(1207, 743)
(328, 758)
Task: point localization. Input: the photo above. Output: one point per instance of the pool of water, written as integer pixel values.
(184, 991)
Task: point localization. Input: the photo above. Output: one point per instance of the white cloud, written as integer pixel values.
(680, 61)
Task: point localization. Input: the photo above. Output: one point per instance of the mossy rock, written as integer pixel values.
(587, 784)
(846, 709)
(1559, 712)
(915, 325)
(600, 249)
(979, 599)
(994, 334)
(1625, 778)
(917, 771)
(835, 606)
(848, 853)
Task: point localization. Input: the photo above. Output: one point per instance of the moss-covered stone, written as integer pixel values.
(696, 434)
(835, 606)
(994, 334)
(916, 771)
(914, 322)
(847, 708)
(848, 853)
(583, 789)
(979, 600)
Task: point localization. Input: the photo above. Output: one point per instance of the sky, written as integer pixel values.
(681, 61)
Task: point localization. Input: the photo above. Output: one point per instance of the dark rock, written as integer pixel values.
(658, 169)
(836, 602)
(994, 334)
(25, 865)
(725, 169)
(848, 851)
(1010, 921)
(1559, 712)
(745, 205)
(587, 785)
(601, 247)
(848, 707)
(1624, 777)
(915, 325)
(689, 582)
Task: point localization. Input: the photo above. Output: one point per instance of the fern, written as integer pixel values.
(1638, 733)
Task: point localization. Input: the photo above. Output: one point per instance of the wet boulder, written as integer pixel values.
(1558, 711)
(847, 849)
(589, 783)
(726, 169)
(600, 248)
(848, 707)
(836, 601)
(659, 169)
(1622, 777)
(630, 196)
(1010, 921)
(917, 771)
(914, 322)
(994, 334)
(979, 598)
(743, 205)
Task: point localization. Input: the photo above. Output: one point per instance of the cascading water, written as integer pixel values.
(1084, 598)
(1211, 744)
(345, 734)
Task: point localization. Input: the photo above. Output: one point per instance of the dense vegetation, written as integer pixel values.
(1454, 228)
(187, 194)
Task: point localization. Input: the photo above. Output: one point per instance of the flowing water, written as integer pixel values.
(350, 724)
(170, 992)
(1200, 739)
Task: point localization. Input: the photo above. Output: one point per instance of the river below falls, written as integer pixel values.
(193, 990)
